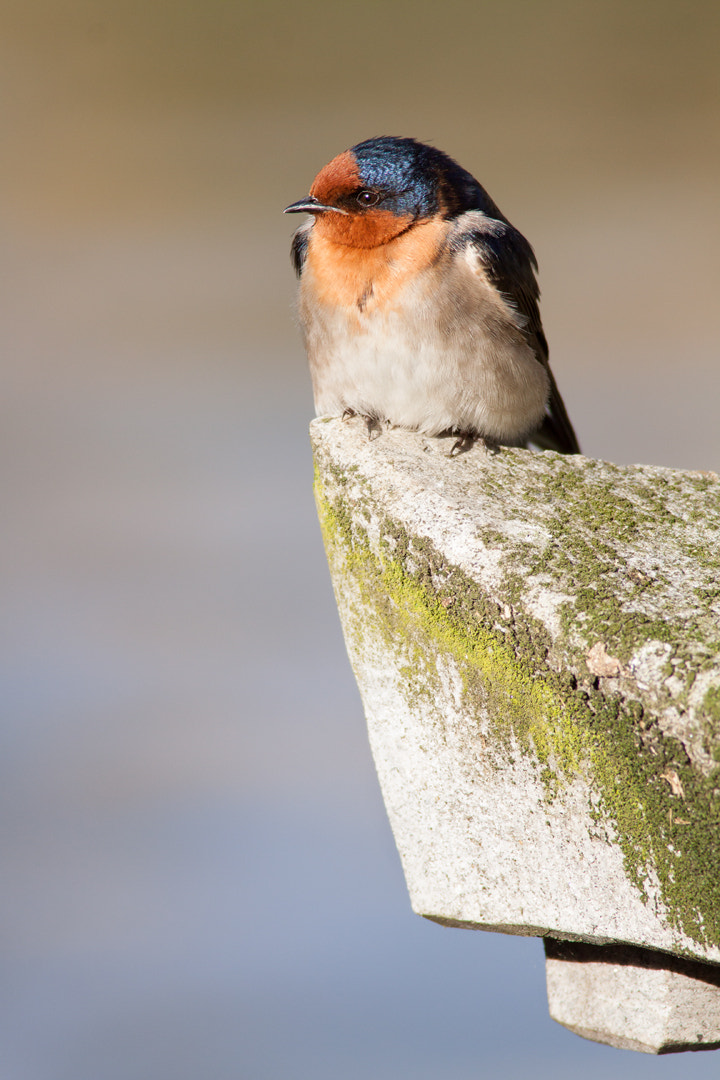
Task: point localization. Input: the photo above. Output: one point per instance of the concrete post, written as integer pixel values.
(536, 639)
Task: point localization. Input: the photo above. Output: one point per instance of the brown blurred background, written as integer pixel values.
(199, 879)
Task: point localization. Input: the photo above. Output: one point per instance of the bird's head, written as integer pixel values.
(380, 188)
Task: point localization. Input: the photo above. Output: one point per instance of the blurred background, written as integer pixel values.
(198, 877)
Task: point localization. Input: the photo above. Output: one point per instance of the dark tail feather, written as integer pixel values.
(556, 432)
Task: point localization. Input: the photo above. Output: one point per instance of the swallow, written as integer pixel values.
(418, 302)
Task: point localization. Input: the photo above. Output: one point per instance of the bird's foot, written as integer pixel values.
(466, 441)
(462, 444)
(373, 426)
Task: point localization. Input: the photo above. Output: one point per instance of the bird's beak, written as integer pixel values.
(310, 205)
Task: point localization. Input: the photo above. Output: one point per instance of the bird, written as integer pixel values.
(418, 302)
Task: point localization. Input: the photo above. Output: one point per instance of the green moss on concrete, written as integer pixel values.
(711, 707)
(428, 611)
(593, 519)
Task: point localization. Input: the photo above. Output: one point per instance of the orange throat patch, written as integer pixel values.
(366, 278)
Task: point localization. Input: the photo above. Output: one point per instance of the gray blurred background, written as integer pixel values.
(198, 877)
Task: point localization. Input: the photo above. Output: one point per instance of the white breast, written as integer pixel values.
(448, 354)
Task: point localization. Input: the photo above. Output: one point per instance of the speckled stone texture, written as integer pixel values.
(536, 639)
(633, 999)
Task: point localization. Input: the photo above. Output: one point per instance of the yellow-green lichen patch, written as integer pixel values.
(664, 813)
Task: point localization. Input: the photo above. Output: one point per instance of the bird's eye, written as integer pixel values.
(367, 198)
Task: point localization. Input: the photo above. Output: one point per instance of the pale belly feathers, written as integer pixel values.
(446, 352)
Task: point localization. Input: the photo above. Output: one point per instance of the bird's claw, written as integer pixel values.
(462, 444)
(374, 427)
(465, 442)
(372, 424)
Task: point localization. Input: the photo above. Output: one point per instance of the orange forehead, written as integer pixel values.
(339, 177)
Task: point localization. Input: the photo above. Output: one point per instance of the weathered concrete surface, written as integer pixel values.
(634, 1000)
(536, 639)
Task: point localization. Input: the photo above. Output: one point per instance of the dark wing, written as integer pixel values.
(298, 248)
(510, 264)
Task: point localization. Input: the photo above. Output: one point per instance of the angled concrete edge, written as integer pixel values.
(633, 998)
(536, 639)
